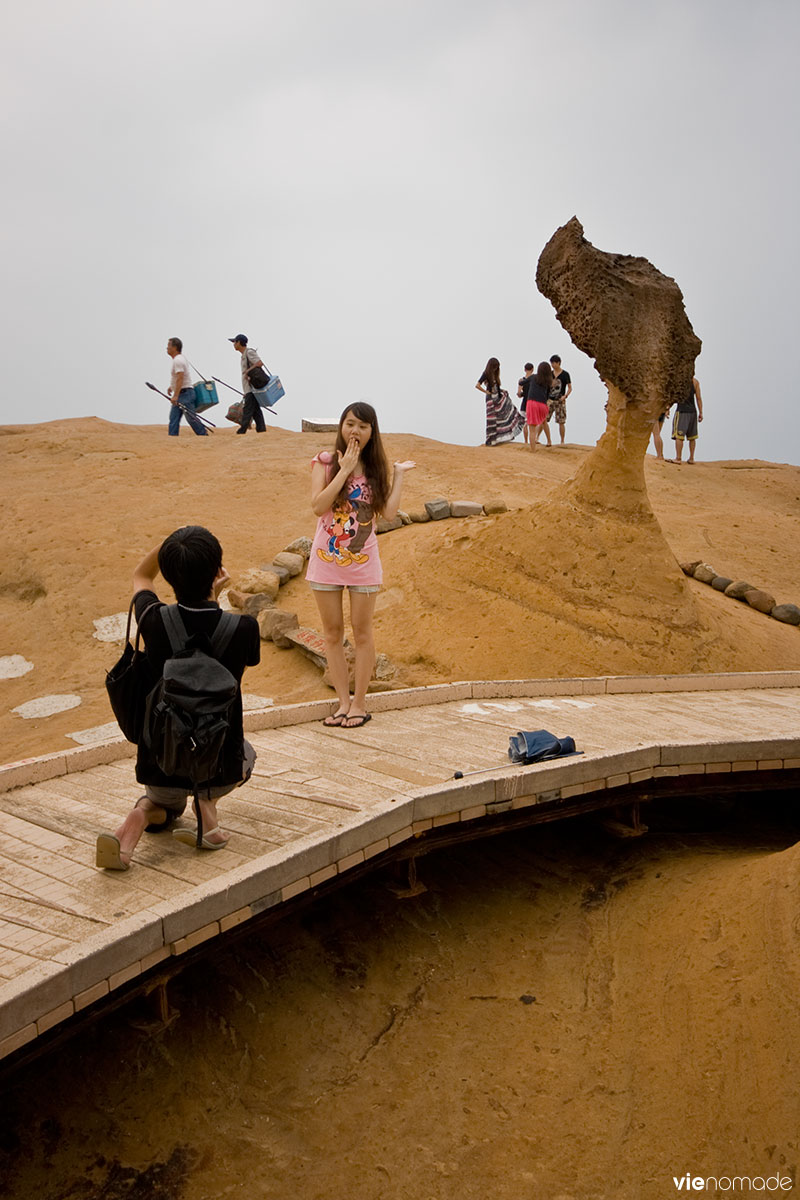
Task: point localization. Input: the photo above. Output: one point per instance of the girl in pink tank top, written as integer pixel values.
(349, 488)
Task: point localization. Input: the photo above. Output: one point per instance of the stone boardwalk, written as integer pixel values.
(323, 801)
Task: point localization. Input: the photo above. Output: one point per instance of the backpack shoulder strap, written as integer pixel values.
(176, 630)
(226, 628)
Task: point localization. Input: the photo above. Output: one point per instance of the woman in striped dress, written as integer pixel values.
(503, 419)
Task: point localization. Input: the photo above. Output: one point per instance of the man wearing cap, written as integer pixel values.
(251, 410)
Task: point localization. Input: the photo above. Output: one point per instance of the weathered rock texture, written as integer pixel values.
(630, 318)
(592, 558)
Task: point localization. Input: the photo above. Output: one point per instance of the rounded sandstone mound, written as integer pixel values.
(557, 591)
(540, 590)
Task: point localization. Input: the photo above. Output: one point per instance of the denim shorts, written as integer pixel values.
(175, 798)
(366, 588)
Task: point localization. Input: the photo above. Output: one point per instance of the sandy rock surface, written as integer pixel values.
(83, 499)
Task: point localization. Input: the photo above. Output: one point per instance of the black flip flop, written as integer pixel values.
(334, 720)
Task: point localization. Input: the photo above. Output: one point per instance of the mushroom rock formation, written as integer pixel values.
(630, 318)
(584, 581)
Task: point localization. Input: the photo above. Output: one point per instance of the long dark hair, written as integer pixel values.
(373, 455)
(544, 376)
(492, 373)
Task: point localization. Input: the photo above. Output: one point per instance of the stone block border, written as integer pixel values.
(52, 992)
(740, 589)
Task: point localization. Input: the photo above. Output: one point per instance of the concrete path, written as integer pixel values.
(322, 802)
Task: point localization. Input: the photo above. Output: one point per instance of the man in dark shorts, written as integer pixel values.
(190, 560)
(562, 386)
(685, 422)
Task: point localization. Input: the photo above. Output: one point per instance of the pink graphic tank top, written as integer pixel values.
(345, 548)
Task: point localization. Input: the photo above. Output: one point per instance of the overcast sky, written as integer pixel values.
(364, 188)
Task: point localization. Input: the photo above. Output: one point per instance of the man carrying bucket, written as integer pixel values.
(181, 392)
(251, 410)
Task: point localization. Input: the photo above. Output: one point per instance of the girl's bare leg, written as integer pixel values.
(330, 611)
(657, 442)
(362, 609)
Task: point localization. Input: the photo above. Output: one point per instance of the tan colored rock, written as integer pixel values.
(253, 581)
(738, 590)
(590, 557)
(465, 508)
(788, 613)
(294, 563)
(404, 517)
(439, 509)
(384, 525)
(419, 516)
(274, 623)
(384, 668)
(491, 507)
(301, 545)
(760, 601)
(383, 671)
(704, 573)
(281, 572)
(627, 315)
(688, 568)
(630, 318)
(311, 643)
(256, 603)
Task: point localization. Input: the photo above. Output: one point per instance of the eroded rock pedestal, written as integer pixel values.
(590, 565)
(630, 318)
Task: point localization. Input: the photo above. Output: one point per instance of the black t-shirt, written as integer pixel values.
(536, 391)
(525, 384)
(494, 388)
(243, 650)
(561, 382)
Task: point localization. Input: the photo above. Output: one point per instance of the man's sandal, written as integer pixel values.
(107, 853)
(188, 837)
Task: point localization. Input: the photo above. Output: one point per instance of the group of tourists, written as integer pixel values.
(183, 397)
(543, 393)
(351, 485)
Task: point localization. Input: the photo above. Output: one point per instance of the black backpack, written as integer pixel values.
(187, 713)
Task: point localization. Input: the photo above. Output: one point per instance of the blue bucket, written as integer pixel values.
(271, 394)
(205, 395)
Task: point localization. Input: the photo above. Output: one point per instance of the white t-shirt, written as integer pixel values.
(179, 364)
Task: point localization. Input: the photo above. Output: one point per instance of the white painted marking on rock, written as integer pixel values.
(14, 665)
(46, 706)
(112, 629)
